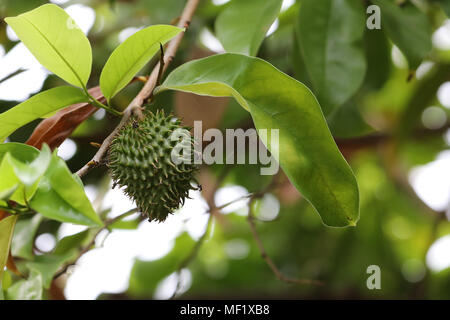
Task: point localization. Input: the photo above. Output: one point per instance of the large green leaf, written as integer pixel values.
(6, 233)
(59, 196)
(56, 41)
(307, 151)
(24, 234)
(242, 26)
(331, 36)
(38, 106)
(130, 56)
(408, 28)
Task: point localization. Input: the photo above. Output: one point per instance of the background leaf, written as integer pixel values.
(408, 28)
(56, 41)
(48, 265)
(445, 4)
(71, 242)
(332, 47)
(347, 122)
(131, 56)
(29, 289)
(24, 234)
(242, 26)
(37, 106)
(6, 233)
(308, 154)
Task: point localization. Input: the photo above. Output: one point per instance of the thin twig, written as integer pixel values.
(91, 243)
(11, 75)
(135, 106)
(247, 196)
(212, 210)
(192, 255)
(161, 65)
(267, 259)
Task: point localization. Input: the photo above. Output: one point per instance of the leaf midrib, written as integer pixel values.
(136, 62)
(54, 48)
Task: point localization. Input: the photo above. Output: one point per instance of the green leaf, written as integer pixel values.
(6, 233)
(379, 61)
(9, 184)
(38, 106)
(16, 7)
(7, 191)
(19, 151)
(29, 289)
(131, 56)
(307, 151)
(347, 121)
(126, 224)
(445, 4)
(48, 265)
(24, 234)
(242, 26)
(331, 36)
(158, 11)
(56, 41)
(29, 173)
(6, 282)
(19, 179)
(60, 197)
(408, 28)
(71, 242)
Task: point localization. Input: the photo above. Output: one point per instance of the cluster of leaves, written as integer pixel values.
(37, 181)
(339, 63)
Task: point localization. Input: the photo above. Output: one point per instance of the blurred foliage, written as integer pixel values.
(379, 130)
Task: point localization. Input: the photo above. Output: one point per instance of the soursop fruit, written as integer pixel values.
(139, 159)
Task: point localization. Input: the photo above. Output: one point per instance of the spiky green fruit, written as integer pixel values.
(140, 160)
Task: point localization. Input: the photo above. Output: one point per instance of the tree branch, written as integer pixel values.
(135, 106)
